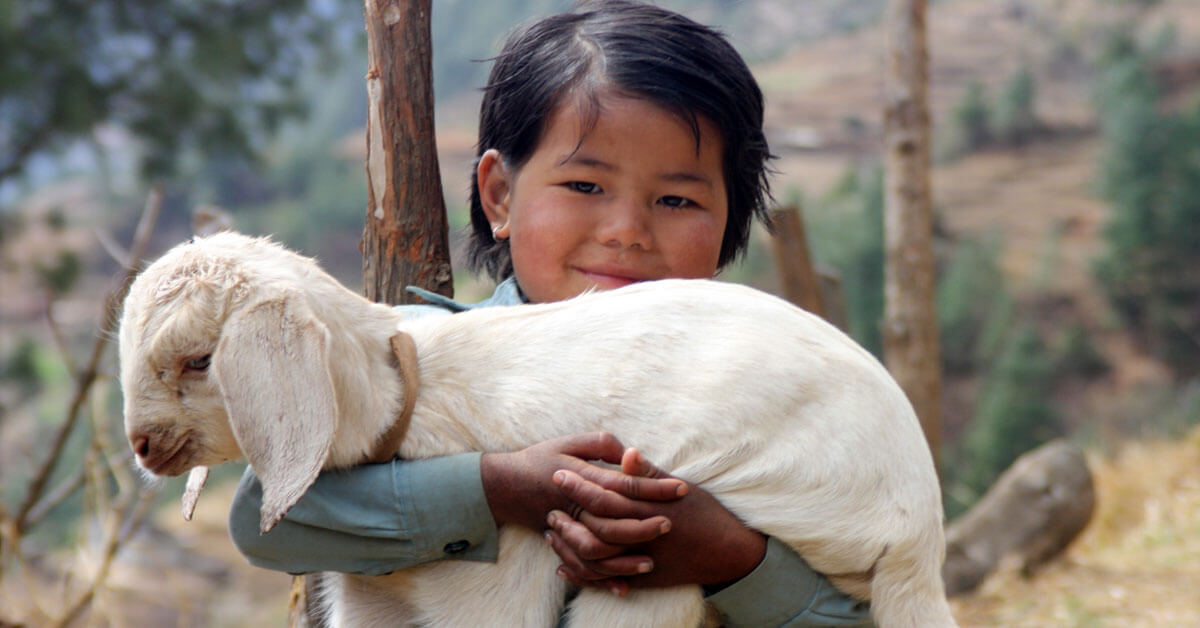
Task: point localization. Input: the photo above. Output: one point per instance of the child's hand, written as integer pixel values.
(519, 489)
(600, 546)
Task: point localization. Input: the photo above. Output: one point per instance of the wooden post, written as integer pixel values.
(406, 237)
(798, 278)
(910, 334)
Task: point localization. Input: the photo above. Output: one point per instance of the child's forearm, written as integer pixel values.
(783, 591)
(372, 519)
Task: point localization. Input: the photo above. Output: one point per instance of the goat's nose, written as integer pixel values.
(140, 441)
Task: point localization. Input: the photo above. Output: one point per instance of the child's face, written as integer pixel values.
(633, 201)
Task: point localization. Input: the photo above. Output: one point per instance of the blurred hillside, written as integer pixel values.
(1037, 343)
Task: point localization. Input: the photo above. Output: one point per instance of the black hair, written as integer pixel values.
(641, 51)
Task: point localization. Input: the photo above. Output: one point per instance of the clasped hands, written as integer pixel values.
(616, 529)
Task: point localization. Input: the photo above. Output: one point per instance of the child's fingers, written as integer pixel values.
(582, 569)
(581, 542)
(616, 586)
(621, 484)
(591, 446)
(625, 532)
(632, 463)
(620, 533)
(593, 497)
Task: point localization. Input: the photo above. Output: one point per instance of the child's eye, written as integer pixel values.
(676, 202)
(583, 187)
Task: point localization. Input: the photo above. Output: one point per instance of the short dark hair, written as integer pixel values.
(638, 50)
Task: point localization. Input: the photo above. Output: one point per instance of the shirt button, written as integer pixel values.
(457, 547)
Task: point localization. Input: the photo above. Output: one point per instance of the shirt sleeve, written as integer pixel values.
(372, 519)
(783, 591)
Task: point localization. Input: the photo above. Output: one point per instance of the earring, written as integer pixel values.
(496, 232)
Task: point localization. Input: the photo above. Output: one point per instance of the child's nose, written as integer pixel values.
(626, 225)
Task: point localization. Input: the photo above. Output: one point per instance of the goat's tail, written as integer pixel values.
(907, 592)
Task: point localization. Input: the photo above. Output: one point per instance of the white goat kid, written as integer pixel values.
(780, 416)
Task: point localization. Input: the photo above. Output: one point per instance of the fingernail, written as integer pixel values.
(617, 591)
(561, 572)
(552, 519)
(560, 478)
(645, 567)
(665, 527)
(682, 490)
(547, 537)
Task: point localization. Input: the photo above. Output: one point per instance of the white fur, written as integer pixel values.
(779, 415)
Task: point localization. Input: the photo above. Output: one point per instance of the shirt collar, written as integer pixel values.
(507, 293)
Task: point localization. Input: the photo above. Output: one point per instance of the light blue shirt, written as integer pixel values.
(377, 518)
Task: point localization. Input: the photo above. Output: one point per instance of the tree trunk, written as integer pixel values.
(405, 241)
(1036, 508)
(910, 334)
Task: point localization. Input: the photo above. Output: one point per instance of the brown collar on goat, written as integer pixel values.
(405, 352)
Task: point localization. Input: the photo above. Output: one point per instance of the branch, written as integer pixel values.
(60, 341)
(118, 531)
(111, 247)
(85, 379)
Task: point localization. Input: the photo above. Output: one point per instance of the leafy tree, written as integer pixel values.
(849, 236)
(970, 121)
(1013, 415)
(1014, 120)
(1150, 175)
(206, 74)
(973, 301)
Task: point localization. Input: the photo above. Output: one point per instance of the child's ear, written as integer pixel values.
(494, 180)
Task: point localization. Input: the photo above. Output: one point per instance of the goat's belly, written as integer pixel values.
(520, 589)
(353, 601)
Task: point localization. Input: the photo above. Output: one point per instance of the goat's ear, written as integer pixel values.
(273, 370)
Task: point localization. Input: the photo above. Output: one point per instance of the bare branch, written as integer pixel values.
(110, 246)
(60, 340)
(112, 541)
(85, 378)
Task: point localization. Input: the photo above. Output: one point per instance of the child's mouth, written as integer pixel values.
(606, 281)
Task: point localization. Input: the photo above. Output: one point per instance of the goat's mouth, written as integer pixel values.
(171, 462)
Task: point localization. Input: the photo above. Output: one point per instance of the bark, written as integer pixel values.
(910, 334)
(406, 238)
(1030, 515)
(797, 275)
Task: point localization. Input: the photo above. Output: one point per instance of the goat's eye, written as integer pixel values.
(198, 364)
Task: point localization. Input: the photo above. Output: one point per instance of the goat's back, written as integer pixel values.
(783, 418)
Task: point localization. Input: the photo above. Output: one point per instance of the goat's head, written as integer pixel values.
(222, 357)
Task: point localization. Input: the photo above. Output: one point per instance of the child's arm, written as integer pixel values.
(706, 545)
(377, 518)
(372, 519)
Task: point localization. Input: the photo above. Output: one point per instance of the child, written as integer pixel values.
(618, 143)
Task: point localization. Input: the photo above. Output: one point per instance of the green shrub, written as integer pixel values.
(1150, 175)
(59, 276)
(970, 123)
(1013, 415)
(847, 234)
(1014, 120)
(972, 301)
(1076, 354)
